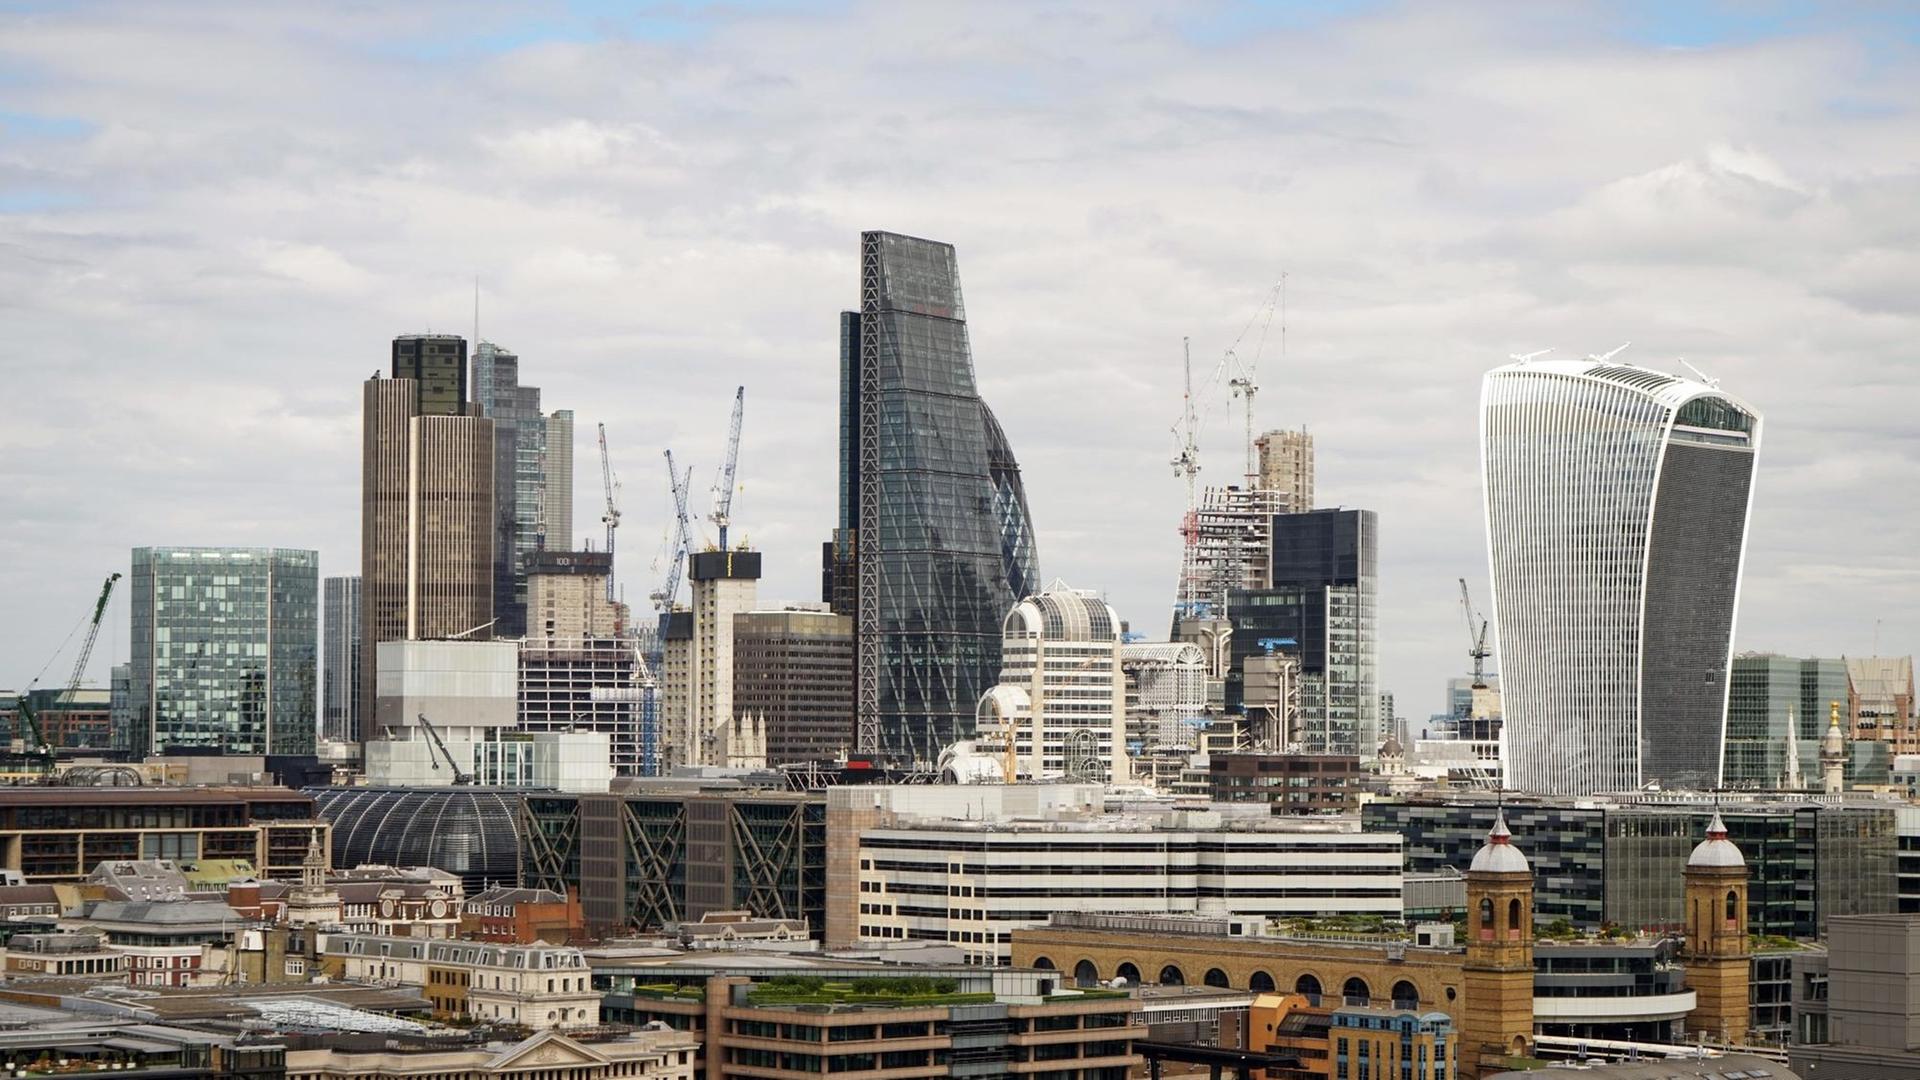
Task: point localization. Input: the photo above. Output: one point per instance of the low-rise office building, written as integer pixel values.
(535, 986)
(52, 835)
(781, 1020)
(164, 941)
(974, 883)
(1291, 783)
(653, 855)
(83, 955)
(1618, 859)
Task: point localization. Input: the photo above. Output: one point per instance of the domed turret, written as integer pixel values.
(1716, 850)
(1498, 855)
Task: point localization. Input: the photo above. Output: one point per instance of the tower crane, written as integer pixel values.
(663, 597)
(611, 516)
(723, 487)
(33, 736)
(1477, 636)
(651, 660)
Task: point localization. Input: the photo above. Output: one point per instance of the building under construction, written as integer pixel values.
(576, 668)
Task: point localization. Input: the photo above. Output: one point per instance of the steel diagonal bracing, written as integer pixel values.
(867, 535)
(652, 852)
(760, 865)
(547, 855)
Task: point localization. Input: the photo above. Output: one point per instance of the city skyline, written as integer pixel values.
(1075, 283)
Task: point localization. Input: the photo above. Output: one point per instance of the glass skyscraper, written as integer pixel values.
(340, 709)
(225, 642)
(1320, 608)
(1775, 699)
(935, 542)
(1617, 502)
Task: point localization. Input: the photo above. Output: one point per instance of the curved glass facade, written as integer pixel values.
(934, 530)
(1616, 524)
(1017, 554)
(472, 832)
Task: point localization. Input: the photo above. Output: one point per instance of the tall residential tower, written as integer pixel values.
(1616, 509)
(935, 542)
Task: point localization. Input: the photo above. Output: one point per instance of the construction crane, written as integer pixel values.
(664, 596)
(723, 487)
(460, 776)
(32, 735)
(1477, 636)
(654, 657)
(1186, 464)
(611, 516)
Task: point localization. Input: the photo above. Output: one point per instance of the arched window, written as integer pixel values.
(1513, 919)
(1406, 995)
(1129, 973)
(1310, 986)
(1216, 977)
(1042, 963)
(1085, 974)
(1357, 992)
(1172, 976)
(1733, 909)
(1260, 983)
(1486, 919)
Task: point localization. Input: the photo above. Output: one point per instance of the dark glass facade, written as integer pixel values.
(1320, 607)
(1597, 864)
(519, 478)
(1771, 694)
(225, 650)
(642, 860)
(935, 542)
(472, 832)
(340, 662)
(438, 364)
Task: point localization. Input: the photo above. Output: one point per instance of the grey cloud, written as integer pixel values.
(266, 196)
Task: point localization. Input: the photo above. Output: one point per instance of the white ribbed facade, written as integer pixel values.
(1061, 700)
(1616, 509)
(971, 884)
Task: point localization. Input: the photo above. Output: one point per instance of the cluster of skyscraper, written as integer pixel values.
(1616, 513)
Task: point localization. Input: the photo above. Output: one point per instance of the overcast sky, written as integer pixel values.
(213, 219)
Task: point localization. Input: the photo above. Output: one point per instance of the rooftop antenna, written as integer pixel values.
(1698, 374)
(1606, 356)
(1528, 358)
(476, 310)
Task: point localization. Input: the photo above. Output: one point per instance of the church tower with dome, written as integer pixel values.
(1716, 955)
(1497, 976)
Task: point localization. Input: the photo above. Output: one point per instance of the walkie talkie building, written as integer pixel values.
(1616, 509)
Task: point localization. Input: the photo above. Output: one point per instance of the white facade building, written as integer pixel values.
(1616, 506)
(972, 883)
(1166, 688)
(1061, 702)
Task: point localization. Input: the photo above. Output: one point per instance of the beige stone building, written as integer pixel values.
(548, 1055)
(1286, 467)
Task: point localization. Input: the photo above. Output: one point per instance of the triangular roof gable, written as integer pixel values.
(546, 1050)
